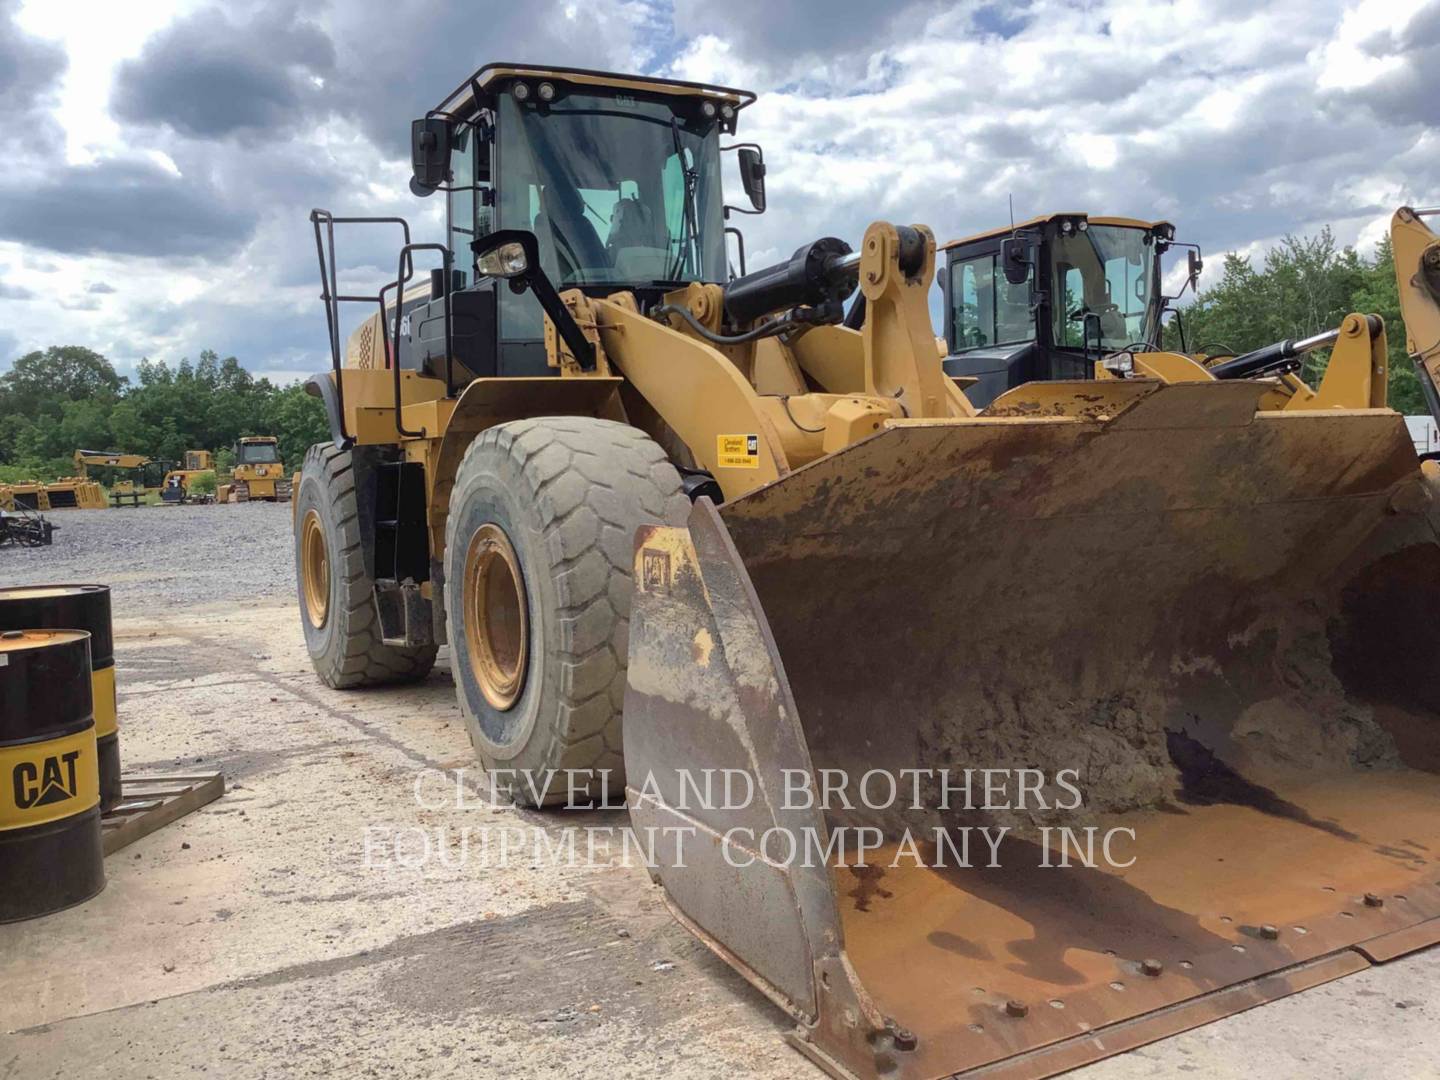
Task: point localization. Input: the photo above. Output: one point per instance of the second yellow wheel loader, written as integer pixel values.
(671, 522)
(1077, 296)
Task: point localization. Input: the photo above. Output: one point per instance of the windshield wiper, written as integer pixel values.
(689, 227)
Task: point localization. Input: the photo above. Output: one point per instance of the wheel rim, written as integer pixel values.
(315, 569)
(497, 627)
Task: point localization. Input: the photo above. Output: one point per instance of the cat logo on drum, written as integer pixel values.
(53, 780)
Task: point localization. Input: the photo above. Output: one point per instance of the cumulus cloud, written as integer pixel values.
(15, 292)
(211, 75)
(29, 69)
(1238, 122)
(127, 207)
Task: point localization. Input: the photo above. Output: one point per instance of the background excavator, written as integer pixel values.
(668, 520)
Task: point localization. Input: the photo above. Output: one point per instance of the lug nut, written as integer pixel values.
(905, 1039)
(1371, 900)
(1017, 1009)
(1269, 933)
(1152, 967)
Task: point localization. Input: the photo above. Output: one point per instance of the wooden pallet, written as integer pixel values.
(148, 803)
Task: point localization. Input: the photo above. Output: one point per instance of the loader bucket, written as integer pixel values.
(1224, 622)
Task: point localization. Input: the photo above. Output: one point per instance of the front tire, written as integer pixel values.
(337, 596)
(538, 562)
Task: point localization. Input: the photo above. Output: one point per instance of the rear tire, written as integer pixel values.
(538, 561)
(337, 596)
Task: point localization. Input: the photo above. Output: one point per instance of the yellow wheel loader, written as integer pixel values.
(1076, 296)
(1417, 274)
(1122, 689)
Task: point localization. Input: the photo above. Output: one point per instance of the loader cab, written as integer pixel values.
(617, 177)
(1047, 298)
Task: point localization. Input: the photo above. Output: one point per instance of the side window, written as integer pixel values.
(972, 302)
(1072, 299)
(985, 309)
(1014, 321)
(462, 202)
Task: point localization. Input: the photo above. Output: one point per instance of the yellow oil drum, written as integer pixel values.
(78, 607)
(50, 848)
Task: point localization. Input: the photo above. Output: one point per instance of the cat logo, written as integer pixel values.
(52, 781)
(654, 569)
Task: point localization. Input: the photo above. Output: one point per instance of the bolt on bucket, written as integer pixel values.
(1192, 644)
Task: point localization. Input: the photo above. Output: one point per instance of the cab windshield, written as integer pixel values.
(1104, 281)
(618, 190)
(258, 454)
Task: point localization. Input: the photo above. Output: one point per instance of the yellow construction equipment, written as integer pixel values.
(259, 473)
(24, 495)
(1148, 607)
(1076, 296)
(1417, 274)
(131, 490)
(176, 487)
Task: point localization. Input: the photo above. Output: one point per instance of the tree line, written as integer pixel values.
(1303, 286)
(67, 397)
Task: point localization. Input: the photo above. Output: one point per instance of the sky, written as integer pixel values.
(163, 157)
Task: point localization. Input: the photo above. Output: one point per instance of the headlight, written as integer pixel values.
(1121, 364)
(727, 111)
(521, 91)
(505, 261)
(546, 91)
(708, 108)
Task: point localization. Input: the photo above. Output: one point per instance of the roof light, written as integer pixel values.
(727, 111)
(546, 91)
(1082, 224)
(521, 91)
(708, 108)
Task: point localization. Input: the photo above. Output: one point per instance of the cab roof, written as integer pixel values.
(462, 101)
(1043, 219)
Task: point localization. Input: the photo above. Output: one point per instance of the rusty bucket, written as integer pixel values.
(1193, 644)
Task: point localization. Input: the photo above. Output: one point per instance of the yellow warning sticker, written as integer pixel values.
(737, 451)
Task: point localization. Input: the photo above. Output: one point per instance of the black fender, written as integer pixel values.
(322, 386)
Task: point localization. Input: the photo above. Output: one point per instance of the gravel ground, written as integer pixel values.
(174, 554)
(324, 920)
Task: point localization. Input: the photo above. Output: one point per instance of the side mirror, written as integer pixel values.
(429, 154)
(1196, 264)
(507, 253)
(1015, 258)
(752, 176)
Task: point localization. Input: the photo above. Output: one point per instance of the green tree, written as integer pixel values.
(36, 389)
(298, 421)
(1307, 285)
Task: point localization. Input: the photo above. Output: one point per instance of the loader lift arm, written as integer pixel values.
(1416, 249)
